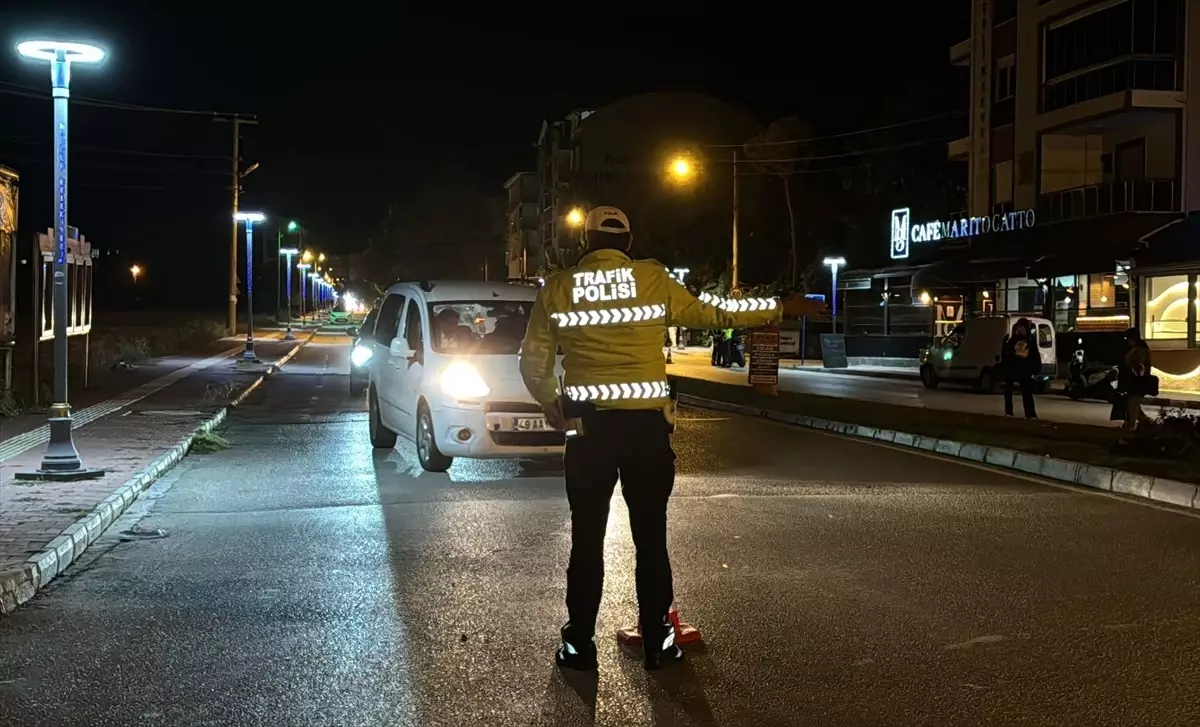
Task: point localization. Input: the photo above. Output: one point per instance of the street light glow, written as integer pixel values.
(49, 50)
(838, 261)
(249, 217)
(289, 251)
(293, 226)
(575, 217)
(681, 167)
(135, 271)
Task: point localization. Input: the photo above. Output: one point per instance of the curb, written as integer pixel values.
(18, 585)
(1157, 489)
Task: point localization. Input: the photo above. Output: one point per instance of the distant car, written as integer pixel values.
(339, 317)
(444, 373)
(360, 354)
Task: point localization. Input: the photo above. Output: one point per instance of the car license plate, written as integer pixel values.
(530, 424)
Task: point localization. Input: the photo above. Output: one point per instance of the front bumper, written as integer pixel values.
(485, 432)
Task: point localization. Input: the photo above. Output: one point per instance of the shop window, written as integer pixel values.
(1166, 301)
(864, 310)
(1103, 292)
(910, 320)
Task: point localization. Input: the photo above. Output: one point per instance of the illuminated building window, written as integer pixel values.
(1166, 301)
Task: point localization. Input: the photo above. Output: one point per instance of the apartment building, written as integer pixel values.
(522, 254)
(1083, 164)
(616, 155)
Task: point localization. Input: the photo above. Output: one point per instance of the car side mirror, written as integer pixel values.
(400, 349)
(352, 332)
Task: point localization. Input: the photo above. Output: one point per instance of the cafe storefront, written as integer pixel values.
(1082, 275)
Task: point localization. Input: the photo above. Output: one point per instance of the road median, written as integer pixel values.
(1074, 453)
(46, 526)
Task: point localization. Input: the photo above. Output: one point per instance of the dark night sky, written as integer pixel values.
(356, 110)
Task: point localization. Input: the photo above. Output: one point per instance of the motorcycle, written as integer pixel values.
(1090, 381)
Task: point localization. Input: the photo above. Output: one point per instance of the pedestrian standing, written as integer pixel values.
(718, 352)
(1020, 362)
(1134, 379)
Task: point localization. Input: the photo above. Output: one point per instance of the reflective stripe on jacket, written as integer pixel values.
(609, 314)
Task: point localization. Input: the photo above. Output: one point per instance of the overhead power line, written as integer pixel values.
(15, 89)
(112, 150)
(847, 154)
(843, 135)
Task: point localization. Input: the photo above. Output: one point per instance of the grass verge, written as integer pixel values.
(209, 443)
(1075, 442)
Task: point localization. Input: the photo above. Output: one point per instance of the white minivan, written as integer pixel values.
(443, 372)
(970, 353)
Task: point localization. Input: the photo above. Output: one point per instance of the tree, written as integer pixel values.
(449, 229)
(775, 153)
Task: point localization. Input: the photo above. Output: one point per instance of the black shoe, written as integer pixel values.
(575, 653)
(658, 645)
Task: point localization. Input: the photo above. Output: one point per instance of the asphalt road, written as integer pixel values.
(903, 392)
(304, 580)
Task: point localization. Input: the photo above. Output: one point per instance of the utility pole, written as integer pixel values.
(733, 283)
(236, 120)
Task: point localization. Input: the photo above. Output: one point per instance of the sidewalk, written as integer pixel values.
(1168, 399)
(134, 437)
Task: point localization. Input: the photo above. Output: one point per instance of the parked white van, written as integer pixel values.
(444, 373)
(971, 352)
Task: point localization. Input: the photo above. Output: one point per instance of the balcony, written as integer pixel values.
(523, 217)
(959, 150)
(960, 53)
(1131, 74)
(1109, 199)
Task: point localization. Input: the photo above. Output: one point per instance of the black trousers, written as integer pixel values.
(1027, 386)
(634, 446)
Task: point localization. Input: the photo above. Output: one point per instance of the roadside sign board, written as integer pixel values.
(789, 342)
(764, 356)
(833, 351)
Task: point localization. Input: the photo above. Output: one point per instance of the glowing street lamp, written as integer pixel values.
(61, 460)
(249, 218)
(287, 253)
(293, 228)
(833, 263)
(576, 217)
(136, 272)
(303, 267)
(681, 169)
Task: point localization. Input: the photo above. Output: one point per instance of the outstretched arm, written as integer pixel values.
(685, 309)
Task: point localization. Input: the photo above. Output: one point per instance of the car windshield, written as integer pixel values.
(469, 327)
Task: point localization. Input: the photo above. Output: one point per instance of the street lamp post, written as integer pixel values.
(61, 460)
(303, 268)
(248, 356)
(136, 272)
(287, 253)
(682, 169)
(833, 263)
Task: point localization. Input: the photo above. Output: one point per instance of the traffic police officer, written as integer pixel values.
(608, 315)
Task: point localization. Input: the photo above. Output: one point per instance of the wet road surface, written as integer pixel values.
(304, 580)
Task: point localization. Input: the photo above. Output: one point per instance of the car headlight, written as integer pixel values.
(360, 356)
(461, 381)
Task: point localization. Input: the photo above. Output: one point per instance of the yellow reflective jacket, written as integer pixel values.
(608, 314)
